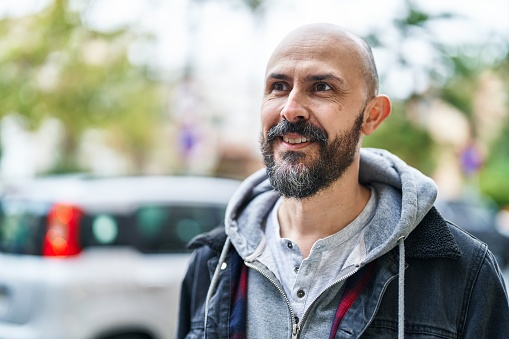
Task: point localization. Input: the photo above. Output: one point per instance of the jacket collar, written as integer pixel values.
(430, 239)
(214, 239)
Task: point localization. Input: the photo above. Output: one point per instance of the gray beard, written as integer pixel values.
(294, 179)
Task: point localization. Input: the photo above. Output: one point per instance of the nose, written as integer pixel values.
(295, 109)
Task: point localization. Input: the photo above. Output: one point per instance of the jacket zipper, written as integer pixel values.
(306, 313)
(382, 292)
(295, 325)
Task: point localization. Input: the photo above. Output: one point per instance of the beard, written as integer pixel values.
(291, 177)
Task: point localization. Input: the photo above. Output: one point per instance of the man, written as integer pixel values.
(331, 241)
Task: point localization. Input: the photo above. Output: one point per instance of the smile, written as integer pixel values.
(295, 140)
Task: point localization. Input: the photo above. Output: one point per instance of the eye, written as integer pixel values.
(322, 86)
(279, 86)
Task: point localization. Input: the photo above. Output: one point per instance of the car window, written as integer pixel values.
(21, 229)
(154, 228)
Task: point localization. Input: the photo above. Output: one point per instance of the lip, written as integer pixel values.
(294, 141)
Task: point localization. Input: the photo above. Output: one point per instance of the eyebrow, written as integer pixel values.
(278, 76)
(326, 76)
(316, 77)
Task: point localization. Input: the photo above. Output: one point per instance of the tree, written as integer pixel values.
(56, 66)
(494, 179)
(456, 76)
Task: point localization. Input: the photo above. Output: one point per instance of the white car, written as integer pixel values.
(100, 258)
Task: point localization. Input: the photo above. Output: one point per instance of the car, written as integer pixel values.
(100, 258)
(478, 216)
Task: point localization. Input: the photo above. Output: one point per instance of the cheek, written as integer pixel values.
(269, 116)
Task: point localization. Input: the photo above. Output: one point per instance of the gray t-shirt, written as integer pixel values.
(331, 259)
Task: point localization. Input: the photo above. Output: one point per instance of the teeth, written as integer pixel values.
(295, 140)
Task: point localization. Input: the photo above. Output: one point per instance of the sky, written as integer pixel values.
(227, 32)
(230, 46)
(231, 42)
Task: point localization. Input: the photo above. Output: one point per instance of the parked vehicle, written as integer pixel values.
(84, 258)
(478, 216)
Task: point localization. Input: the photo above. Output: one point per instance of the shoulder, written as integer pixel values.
(472, 249)
(444, 256)
(206, 250)
(456, 254)
(476, 254)
(467, 243)
(486, 304)
(452, 250)
(214, 240)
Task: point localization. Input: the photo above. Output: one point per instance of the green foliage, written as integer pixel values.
(55, 66)
(494, 177)
(460, 89)
(414, 17)
(409, 141)
(254, 4)
(494, 181)
(456, 77)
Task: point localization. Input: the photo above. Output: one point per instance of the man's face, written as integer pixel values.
(294, 178)
(312, 114)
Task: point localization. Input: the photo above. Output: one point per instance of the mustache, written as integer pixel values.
(304, 128)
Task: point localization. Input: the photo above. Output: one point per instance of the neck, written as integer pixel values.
(327, 212)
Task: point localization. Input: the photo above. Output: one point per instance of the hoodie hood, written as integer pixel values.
(404, 197)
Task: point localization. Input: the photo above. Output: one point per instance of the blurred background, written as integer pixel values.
(117, 87)
(131, 92)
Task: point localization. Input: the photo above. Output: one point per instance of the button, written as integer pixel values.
(301, 293)
(290, 245)
(223, 266)
(296, 269)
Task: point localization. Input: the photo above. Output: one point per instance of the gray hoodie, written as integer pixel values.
(404, 196)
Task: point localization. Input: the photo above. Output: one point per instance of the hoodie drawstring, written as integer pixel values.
(401, 284)
(401, 289)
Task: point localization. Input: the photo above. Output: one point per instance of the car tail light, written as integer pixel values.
(62, 234)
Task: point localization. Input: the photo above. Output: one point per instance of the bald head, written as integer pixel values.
(341, 43)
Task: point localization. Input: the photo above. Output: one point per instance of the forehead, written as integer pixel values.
(322, 53)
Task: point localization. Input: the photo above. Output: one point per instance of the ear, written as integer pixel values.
(377, 110)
